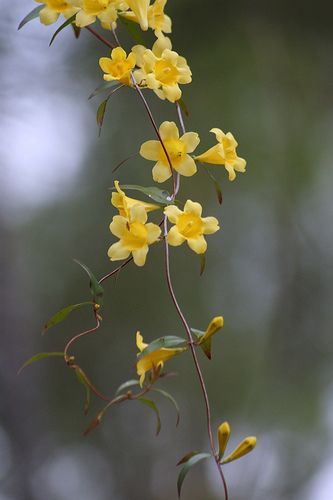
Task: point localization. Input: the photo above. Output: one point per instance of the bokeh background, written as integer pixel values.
(262, 70)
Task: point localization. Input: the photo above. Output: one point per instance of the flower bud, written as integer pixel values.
(223, 435)
(245, 447)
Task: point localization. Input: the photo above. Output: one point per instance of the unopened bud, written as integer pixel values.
(245, 447)
(223, 435)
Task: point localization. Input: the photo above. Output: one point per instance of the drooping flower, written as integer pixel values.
(140, 11)
(118, 67)
(53, 9)
(247, 445)
(177, 148)
(135, 235)
(105, 10)
(190, 226)
(214, 326)
(153, 360)
(223, 434)
(157, 19)
(224, 153)
(162, 69)
(123, 203)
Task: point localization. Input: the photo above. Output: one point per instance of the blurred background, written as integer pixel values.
(262, 70)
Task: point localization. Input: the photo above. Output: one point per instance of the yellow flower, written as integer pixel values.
(105, 10)
(215, 325)
(119, 67)
(247, 445)
(224, 153)
(162, 69)
(190, 226)
(153, 360)
(134, 235)
(177, 148)
(53, 8)
(157, 19)
(140, 10)
(123, 203)
(223, 435)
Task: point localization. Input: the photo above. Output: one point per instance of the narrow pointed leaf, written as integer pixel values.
(84, 381)
(188, 465)
(207, 348)
(124, 161)
(100, 115)
(183, 106)
(156, 194)
(172, 400)
(97, 420)
(133, 29)
(197, 333)
(126, 385)
(217, 186)
(104, 87)
(170, 341)
(29, 17)
(152, 405)
(37, 357)
(96, 289)
(186, 457)
(62, 314)
(66, 23)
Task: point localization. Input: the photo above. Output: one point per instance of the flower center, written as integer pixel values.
(94, 7)
(120, 69)
(58, 5)
(176, 151)
(190, 225)
(166, 73)
(136, 236)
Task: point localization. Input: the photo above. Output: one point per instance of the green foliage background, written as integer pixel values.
(263, 71)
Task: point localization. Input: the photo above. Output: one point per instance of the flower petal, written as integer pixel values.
(175, 239)
(150, 150)
(141, 345)
(172, 92)
(169, 131)
(161, 172)
(186, 167)
(198, 245)
(118, 54)
(139, 255)
(172, 212)
(138, 214)
(218, 134)
(193, 207)
(211, 225)
(118, 251)
(48, 16)
(154, 232)
(118, 226)
(191, 141)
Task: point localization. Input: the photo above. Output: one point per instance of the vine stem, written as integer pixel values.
(194, 356)
(176, 185)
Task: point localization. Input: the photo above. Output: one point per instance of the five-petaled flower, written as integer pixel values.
(135, 235)
(118, 67)
(105, 10)
(224, 153)
(123, 203)
(177, 149)
(162, 69)
(190, 226)
(153, 360)
(53, 8)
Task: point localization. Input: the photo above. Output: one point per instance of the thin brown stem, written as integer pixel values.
(100, 37)
(79, 336)
(115, 271)
(194, 356)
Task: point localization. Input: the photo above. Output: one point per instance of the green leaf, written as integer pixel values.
(39, 356)
(76, 30)
(100, 115)
(207, 348)
(173, 401)
(126, 385)
(133, 29)
(97, 420)
(62, 314)
(152, 405)
(96, 289)
(188, 465)
(183, 106)
(197, 333)
(104, 87)
(82, 378)
(66, 23)
(202, 263)
(186, 457)
(156, 194)
(216, 185)
(170, 341)
(29, 17)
